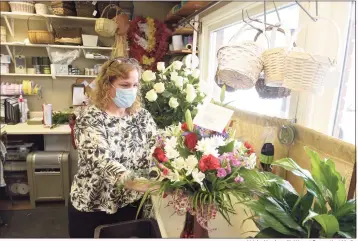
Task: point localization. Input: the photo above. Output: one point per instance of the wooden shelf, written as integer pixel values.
(183, 10)
(55, 46)
(183, 31)
(183, 51)
(27, 75)
(48, 75)
(18, 15)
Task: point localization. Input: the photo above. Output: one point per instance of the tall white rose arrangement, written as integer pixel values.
(169, 92)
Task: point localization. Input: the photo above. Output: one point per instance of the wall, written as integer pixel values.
(59, 92)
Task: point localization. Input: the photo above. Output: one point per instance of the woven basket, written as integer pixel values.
(239, 65)
(274, 58)
(101, 5)
(22, 7)
(221, 84)
(305, 71)
(68, 35)
(85, 9)
(4, 6)
(63, 8)
(107, 27)
(39, 36)
(267, 92)
(41, 8)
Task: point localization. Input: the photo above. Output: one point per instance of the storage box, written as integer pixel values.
(5, 59)
(4, 68)
(89, 40)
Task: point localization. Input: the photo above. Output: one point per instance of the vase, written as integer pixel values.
(192, 229)
(266, 167)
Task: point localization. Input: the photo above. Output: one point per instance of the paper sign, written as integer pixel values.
(213, 117)
(78, 96)
(85, 83)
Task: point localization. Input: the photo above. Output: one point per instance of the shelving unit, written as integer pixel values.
(49, 75)
(19, 15)
(183, 31)
(183, 51)
(55, 46)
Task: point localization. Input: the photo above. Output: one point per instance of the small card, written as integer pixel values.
(213, 117)
(92, 84)
(85, 83)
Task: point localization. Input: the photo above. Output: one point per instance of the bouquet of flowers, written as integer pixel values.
(201, 170)
(170, 92)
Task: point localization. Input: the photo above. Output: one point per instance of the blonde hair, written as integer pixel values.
(110, 71)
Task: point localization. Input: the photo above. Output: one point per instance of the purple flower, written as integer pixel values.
(236, 163)
(221, 172)
(239, 179)
(228, 167)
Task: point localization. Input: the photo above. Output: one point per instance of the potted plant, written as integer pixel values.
(322, 212)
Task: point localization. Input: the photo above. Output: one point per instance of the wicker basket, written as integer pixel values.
(221, 84)
(63, 8)
(41, 8)
(274, 58)
(101, 5)
(267, 92)
(107, 27)
(305, 71)
(68, 35)
(4, 6)
(239, 65)
(22, 7)
(39, 36)
(85, 9)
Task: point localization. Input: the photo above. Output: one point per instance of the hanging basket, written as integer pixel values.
(221, 84)
(239, 65)
(274, 58)
(39, 36)
(107, 27)
(305, 71)
(267, 92)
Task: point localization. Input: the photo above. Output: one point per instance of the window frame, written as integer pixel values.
(303, 108)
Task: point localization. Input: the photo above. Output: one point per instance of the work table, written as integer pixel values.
(25, 129)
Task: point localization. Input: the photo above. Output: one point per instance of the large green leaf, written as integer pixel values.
(311, 185)
(328, 222)
(227, 148)
(325, 174)
(284, 217)
(270, 233)
(268, 220)
(345, 234)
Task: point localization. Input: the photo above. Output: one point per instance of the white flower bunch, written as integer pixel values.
(170, 91)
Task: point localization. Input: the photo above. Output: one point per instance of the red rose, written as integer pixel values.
(208, 163)
(165, 172)
(190, 141)
(159, 154)
(184, 127)
(249, 148)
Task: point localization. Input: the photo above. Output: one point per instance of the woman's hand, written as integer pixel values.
(140, 186)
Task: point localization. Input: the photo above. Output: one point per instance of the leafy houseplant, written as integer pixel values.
(169, 92)
(322, 212)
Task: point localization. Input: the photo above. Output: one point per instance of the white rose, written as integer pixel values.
(190, 93)
(185, 80)
(159, 87)
(195, 73)
(179, 81)
(173, 75)
(177, 65)
(161, 66)
(148, 75)
(173, 102)
(151, 95)
(187, 72)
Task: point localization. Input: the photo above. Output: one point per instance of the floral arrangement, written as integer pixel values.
(201, 169)
(148, 41)
(170, 92)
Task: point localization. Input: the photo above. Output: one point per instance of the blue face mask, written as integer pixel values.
(125, 97)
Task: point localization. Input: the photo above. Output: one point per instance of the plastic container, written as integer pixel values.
(142, 228)
(89, 40)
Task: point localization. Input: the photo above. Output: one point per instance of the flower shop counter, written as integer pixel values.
(171, 224)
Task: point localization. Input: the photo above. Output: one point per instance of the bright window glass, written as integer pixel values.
(345, 115)
(249, 100)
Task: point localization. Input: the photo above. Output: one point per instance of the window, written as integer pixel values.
(249, 100)
(344, 127)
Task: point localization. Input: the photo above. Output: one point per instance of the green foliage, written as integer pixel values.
(322, 212)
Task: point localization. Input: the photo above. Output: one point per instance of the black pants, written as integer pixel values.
(83, 224)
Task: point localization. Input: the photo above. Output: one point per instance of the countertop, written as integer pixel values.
(25, 129)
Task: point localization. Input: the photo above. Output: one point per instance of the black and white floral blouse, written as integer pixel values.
(109, 150)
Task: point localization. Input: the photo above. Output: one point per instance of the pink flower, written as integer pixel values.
(165, 172)
(239, 179)
(221, 172)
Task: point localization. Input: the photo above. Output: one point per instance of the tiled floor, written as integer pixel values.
(46, 221)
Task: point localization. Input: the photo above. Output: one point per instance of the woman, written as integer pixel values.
(113, 137)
